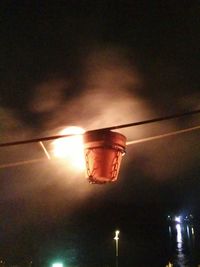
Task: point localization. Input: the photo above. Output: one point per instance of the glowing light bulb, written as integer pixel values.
(57, 264)
(70, 148)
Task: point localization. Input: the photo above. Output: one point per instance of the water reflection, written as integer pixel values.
(181, 259)
(179, 234)
(170, 231)
(182, 237)
(188, 232)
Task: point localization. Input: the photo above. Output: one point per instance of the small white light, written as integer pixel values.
(117, 235)
(177, 219)
(57, 264)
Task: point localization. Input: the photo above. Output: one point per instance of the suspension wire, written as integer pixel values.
(147, 139)
(162, 135)
(35, 140)
(45, 150)
(175, 116)
(48, 138)
(24, 162)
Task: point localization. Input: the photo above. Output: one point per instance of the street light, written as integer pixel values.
(116, 238)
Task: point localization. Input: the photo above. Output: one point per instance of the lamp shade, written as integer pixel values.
(103, 152)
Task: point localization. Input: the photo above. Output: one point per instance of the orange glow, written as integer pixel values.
(70, 149)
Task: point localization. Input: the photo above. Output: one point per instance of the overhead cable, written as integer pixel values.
(146, 139)
(151, 138)
(48, 138)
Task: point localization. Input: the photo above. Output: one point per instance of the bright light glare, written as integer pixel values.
(178, 219)
(117, 235)
(117, 232)
(70, 148)
(57, 264)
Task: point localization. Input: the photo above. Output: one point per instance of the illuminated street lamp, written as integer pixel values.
(116, 238)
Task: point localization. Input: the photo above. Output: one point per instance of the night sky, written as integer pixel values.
(95, 64)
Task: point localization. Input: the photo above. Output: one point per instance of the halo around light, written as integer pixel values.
(71, 148)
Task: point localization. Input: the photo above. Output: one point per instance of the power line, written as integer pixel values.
(45, 150)
(147, 139)
(175, 116)
(19, 163)
(151, 138)
(48, 138)
(35, 140)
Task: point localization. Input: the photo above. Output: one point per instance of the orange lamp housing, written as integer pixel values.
(103, 154)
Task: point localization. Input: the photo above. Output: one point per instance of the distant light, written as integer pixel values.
(117, 235)
(71, 148)
(177, 219)
(57, 264)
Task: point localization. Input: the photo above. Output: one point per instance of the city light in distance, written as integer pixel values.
(117, 235)
(181, 219)
(70, 148)
(177, 219)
